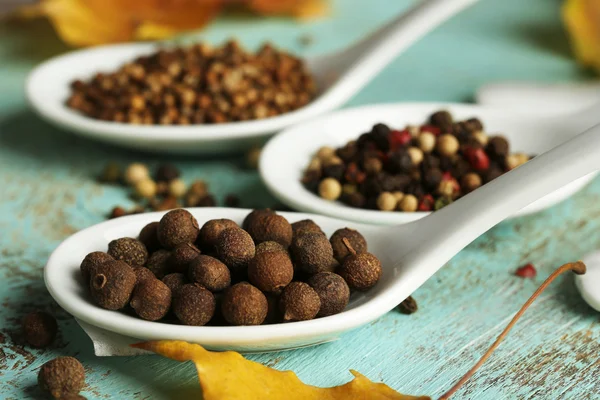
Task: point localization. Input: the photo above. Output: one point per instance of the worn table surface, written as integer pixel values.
(47, 192)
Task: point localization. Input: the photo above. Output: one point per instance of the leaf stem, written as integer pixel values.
(577, 267)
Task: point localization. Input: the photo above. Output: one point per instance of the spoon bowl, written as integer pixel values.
(410, 254)
(339, 76)
(282, 169)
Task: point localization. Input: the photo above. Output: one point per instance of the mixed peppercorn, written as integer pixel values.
(197, 85)
(418, 168)
(266, 271)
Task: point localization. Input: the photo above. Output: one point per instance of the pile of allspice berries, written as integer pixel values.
(267, 271)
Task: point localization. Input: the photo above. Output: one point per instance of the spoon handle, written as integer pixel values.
(358, 64)
(444, 233)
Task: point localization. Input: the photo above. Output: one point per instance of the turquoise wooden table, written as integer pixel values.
(47, 192)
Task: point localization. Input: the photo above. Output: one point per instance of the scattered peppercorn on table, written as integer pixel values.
(49, 191)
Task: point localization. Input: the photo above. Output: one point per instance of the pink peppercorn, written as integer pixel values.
(526, 271)
(477, 158)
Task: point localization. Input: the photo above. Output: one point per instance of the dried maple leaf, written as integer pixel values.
(582, 20)
(230, 376)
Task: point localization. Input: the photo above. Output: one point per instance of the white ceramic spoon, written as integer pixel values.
(285, 156)
(410, 254)
(339, 76)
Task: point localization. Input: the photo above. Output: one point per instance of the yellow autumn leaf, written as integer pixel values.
(93, 22)
(582, 20)
(228, 375)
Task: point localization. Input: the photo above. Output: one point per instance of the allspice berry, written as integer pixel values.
(159, 263)
(39, 329)
(91, 261)
(386, 201)
(142, 273)
(111, 284)
(62, 377)
(470, 182)
(210, 273)
(175, 281)
(177, 227)
(182, 256)
(305, 225)
(355, 238)
(271, 271)
(447, 145)
(299, 302)
(210, 231)
(311, 252)
(360, 271)
(255, 214)
(271, 227)
(235, 248)
(194, 305)
(333, 292)
(268, 246)
(149, 236)
(151, 299)
(409, 203)
(129, 250)
(330, 189)
(244, 304)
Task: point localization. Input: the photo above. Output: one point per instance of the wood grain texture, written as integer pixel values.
(47, 192)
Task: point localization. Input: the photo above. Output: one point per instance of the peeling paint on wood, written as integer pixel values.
(47, 192)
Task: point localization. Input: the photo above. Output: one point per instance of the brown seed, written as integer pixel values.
(255, 215)
(408, 306)
(177, 227)
(271, 227)
(61, 377)
(91, 261)
(149, 237)
(244, 304)
(360, 271)
(271, 271)
(333, 292)
(167, 173)
(117, 212)
(209, 234)
(111, 284)
(182, 256)
(311, 252)
(39, 329)
(142, 273)
(194, 305)
(210, 273)
(299, 302)
(159, 263)
(340, 250)
(268, 246)
(175, 281)
(235, 248)
(129, 250)
(151, 299)
(306, 225)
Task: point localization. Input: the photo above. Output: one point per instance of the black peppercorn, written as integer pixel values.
(399, 161)
(335, 171)
(497, 147)
(443, 120)
(356, 200)
(431, 179)
(167, 173)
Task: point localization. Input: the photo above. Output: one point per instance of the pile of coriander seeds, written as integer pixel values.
(418, 168)
(267, 271)
(199, 84)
